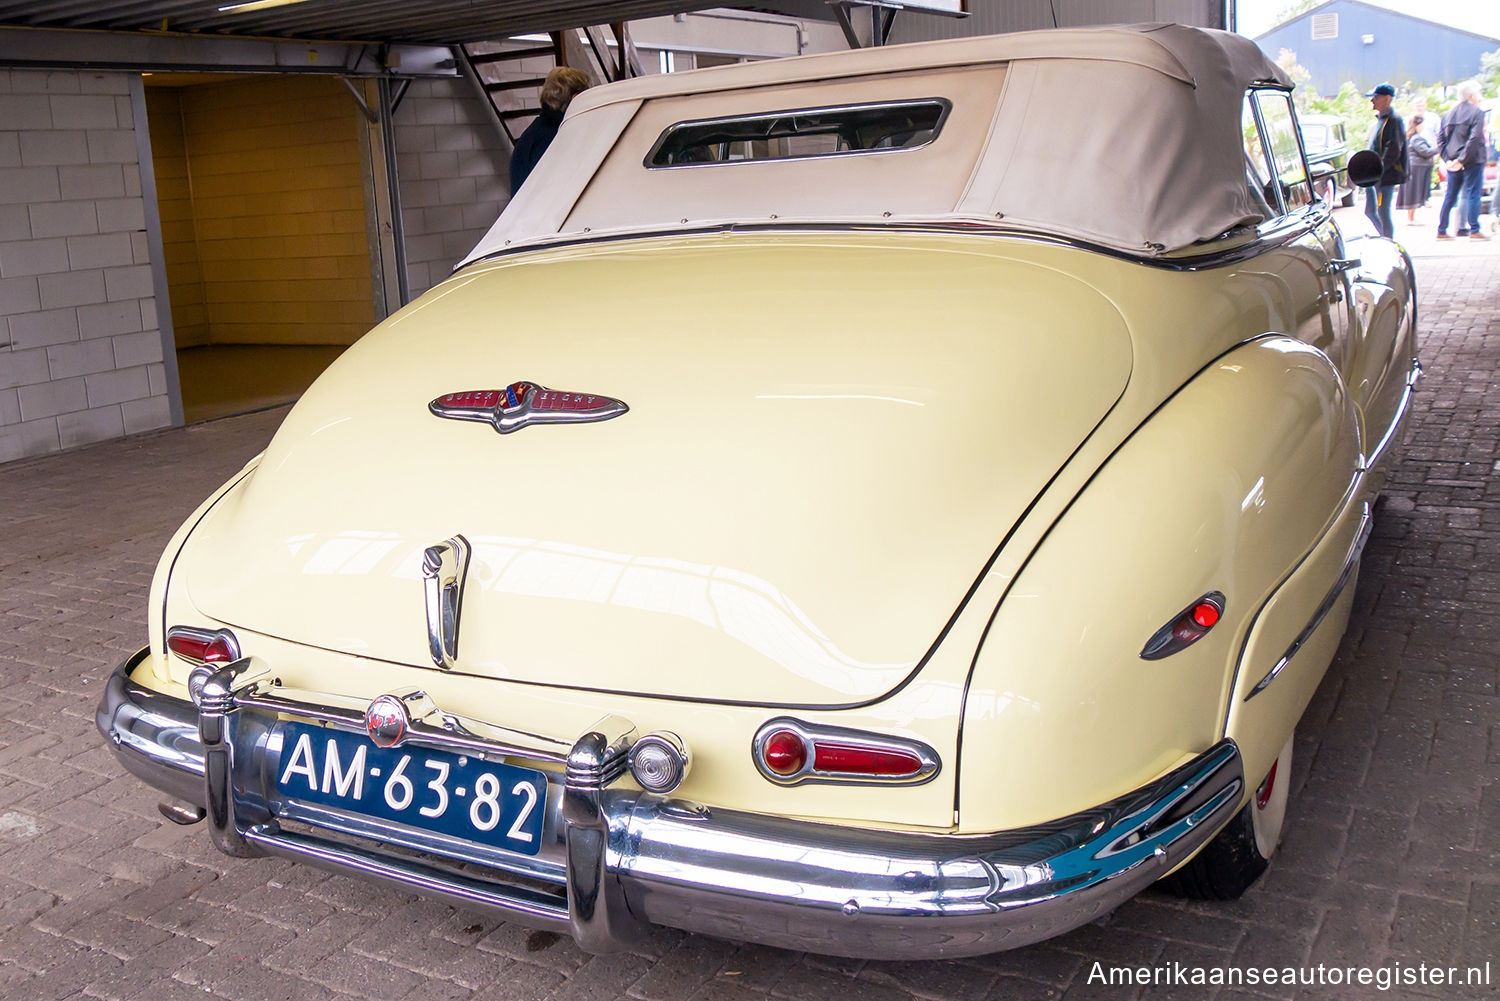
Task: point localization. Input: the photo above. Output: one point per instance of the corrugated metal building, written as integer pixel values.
(1349, 40)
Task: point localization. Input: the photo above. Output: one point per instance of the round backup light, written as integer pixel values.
(196, 681)
(784, 752)
(659, 762)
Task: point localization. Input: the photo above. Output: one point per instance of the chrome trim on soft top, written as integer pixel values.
(944, 106)
(632, 859)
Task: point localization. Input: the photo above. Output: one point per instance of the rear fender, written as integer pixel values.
(1228, 487)
(1292, 641)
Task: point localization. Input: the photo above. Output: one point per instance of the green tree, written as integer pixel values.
(1299, 74)
(1489, 73)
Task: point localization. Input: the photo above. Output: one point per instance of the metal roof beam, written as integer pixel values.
(444, 22)
(156, 51)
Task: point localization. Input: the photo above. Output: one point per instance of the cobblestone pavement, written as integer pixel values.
(1392, 855)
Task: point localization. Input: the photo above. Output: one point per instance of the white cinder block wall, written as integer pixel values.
(81, 359)
(453, 171)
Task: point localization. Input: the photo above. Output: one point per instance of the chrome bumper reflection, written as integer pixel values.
(620, 860)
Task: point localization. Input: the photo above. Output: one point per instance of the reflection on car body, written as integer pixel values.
(954, 502)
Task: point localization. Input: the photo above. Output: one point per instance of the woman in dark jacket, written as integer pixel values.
(557, 92)
(1418, 183)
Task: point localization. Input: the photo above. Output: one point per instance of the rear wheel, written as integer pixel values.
(1237, 856)
(1348, 198)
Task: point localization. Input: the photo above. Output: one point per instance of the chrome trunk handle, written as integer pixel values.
(444, 568)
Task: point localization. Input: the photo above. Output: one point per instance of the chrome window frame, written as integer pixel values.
(945, 107)
(1256, 94)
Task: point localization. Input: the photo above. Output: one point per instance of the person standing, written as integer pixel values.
(557, 93)
(1420, 155)
(1461, 146)
(1388, 138)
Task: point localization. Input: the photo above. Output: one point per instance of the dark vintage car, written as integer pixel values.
(1327, 151)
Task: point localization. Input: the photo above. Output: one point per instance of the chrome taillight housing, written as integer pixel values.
(203, 646)
(790, 752)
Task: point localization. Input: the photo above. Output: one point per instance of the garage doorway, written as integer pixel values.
(262, 188)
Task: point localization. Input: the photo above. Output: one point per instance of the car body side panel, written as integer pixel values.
(1260, 453)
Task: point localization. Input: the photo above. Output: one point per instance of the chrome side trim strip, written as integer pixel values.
(1412, 378)
(1366, 523)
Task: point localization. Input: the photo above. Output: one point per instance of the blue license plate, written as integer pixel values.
(465, 797)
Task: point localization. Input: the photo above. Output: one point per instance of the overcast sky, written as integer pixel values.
(1479, 16)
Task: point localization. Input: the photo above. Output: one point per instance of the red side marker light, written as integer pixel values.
(1189, 626)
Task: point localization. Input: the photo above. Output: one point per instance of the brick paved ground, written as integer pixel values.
(1392, 854)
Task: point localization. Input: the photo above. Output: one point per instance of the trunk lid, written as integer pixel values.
(827, 438)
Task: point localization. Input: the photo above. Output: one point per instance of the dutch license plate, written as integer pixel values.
(464, 797)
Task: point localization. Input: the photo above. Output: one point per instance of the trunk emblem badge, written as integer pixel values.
(385, 721)
(525, 403)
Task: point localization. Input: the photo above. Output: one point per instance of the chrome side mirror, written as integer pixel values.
(1364, 168)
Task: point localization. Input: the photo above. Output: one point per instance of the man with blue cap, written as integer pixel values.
(1462, 149)
(1388, 138)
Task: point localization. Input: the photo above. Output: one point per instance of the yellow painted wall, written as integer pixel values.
(174, 200)
(278, 210)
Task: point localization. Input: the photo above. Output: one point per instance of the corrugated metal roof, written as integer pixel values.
(429, 21)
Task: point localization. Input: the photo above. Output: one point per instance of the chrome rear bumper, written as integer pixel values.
(618, 860)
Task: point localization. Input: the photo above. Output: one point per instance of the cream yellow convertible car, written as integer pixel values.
(891, 503)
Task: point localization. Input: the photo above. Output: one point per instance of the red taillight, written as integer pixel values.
(785, 752)
(789, 752)
(1206, 613)
(851, 759)
(203, 646)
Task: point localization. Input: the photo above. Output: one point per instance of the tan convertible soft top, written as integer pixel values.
(1127, 137)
